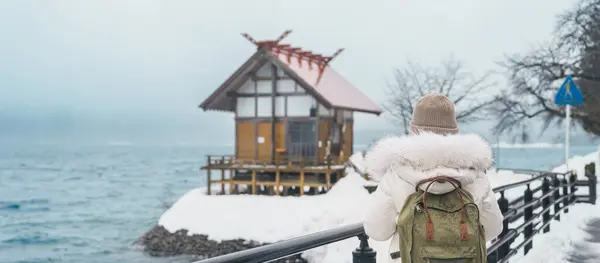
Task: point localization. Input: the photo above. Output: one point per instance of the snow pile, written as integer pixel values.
(260, 218)
(504, 177)
(267, 218)
(344, 204)
(357, 160)
(275, 218)
(578, 163)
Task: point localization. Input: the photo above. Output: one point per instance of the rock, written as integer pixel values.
(158, 242)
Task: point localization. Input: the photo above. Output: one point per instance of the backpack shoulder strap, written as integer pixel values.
(439, 179)
(429, 224)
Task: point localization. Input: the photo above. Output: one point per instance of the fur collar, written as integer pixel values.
(428, 151)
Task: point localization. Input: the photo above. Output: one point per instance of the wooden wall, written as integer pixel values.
(323, 133)
(254, 97)
(348, 139)
(245, 140)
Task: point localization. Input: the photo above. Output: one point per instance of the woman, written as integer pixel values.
(433, 148)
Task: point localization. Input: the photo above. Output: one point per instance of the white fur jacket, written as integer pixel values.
(400, 162)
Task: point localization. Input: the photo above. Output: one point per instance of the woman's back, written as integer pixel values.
(401, 162)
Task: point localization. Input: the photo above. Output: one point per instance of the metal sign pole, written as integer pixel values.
(567, 134)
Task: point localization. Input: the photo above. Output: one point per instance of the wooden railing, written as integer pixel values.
(291, 176)
(280, 159)
(533, 211)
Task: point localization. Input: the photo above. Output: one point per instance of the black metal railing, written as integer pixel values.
(535, 207)
(290, 247)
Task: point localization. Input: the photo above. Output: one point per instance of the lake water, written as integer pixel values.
(89, 203)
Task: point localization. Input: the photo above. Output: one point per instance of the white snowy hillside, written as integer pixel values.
(275, 218)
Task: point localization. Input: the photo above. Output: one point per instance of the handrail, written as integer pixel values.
(524, 182)
(532, 172)
(512, 233)
(520, 198)
(291, 246)
(557, 195)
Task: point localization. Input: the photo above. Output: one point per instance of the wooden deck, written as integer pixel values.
(270, 178)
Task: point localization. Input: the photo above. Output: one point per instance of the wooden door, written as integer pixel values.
(263, 141)
(302, 140)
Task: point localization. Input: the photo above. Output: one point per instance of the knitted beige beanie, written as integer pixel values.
(434, 113)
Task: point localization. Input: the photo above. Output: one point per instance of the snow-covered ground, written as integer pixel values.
(274, 218)
(567, 239)
(572, 238)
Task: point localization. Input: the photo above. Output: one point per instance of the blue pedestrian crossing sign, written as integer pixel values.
(568, 94)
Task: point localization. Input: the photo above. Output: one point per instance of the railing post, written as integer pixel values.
(503, 250)
(565, 192)
(590, 173)
(572, 180)
(364, 253)
(556, 189)
(546, 203)
(528, 214)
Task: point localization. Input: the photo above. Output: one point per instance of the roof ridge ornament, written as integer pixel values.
(287, 50)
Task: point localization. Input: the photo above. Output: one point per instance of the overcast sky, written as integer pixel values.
(160, 59)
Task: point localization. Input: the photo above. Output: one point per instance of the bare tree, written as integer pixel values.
(470, 94)
(535, 77)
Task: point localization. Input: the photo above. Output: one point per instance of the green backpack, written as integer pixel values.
(440, 228)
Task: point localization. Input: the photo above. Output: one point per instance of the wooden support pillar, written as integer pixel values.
(222, 175)
(231, 181)
(223, 181)
(208, 181)
(277, 181)
(253, 182)
(302, 182)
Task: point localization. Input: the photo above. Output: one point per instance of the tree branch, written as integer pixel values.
(536, 77)
(471, 95)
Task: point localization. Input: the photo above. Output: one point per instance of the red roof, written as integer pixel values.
(330, 85)
(310, 70)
